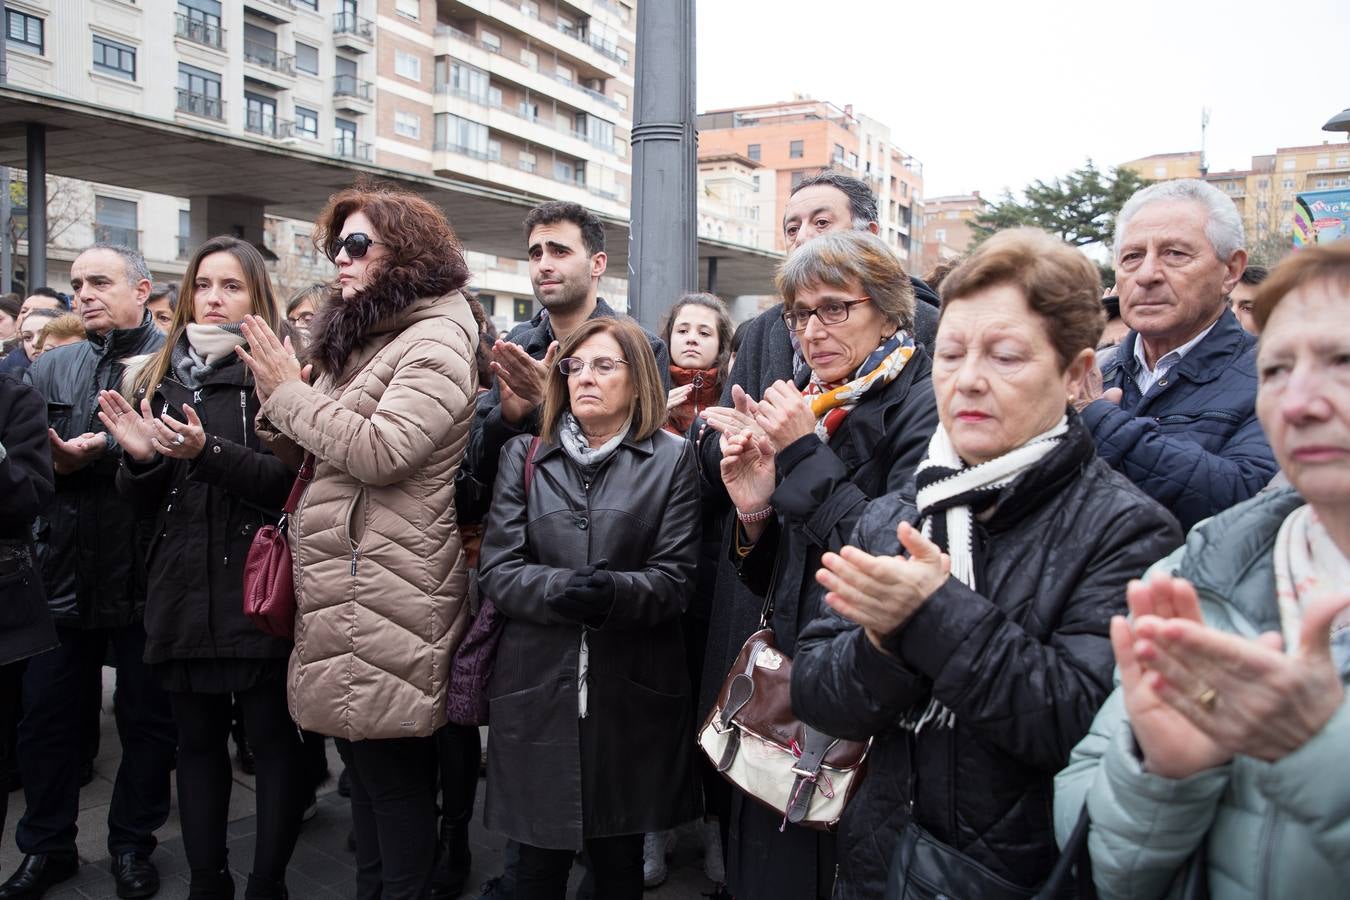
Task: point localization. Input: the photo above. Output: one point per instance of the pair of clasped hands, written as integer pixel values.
(1197, 697)
(880, 593)
(141, 435)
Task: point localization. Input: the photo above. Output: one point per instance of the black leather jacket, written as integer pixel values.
(1024, 663)
(631, 757)
(88, 538)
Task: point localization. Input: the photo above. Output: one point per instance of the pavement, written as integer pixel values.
(321, 867)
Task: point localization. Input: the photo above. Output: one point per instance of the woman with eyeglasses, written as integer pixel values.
(589, 551)
(383, 410)
(801, 466)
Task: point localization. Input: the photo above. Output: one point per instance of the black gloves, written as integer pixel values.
(588, 595)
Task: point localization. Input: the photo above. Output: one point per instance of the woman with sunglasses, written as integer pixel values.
(800, 468)
(590, 551)
(379, 567)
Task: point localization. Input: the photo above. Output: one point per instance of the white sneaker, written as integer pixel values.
(654, 849)
(713, 864)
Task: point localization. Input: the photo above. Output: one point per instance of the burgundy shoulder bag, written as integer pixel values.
(269, 584)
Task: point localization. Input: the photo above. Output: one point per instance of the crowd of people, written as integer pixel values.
(1072, 565)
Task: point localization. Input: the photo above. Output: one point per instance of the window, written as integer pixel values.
(1287, 184)
(495, 151)
(306, 58)
(491, 41)
(796, 150)
(754, 179)
(1343, 160)
(407, 66)
(471, 82)
(526, 161)
(599, 132)
(199, 92)
(184, 232)
(306, 122)
(529, 59)
(260, 114)
(1323, 162)
(23, 30)
(199, 21)
(1287, 205)
(564, 72)
(528, 110)
(408, 8)
(621, 99)
(344, 141)
(942, 235)
(309, 4)
(798, 177)
(1290, 165)
(530, 8)
(1160, 171)
(853, 160)
(113, 58)
(1321, 182)
(408, 125)
(115, 222)
(461, 136)
(564, 170)
(260, 45)
(752, 151)
(838, 153)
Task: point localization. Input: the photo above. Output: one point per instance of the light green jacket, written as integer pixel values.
(1271, 830)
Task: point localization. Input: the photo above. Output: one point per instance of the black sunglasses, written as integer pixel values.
(356, 244)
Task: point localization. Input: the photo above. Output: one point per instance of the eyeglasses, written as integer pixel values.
(356, 244)
(303, 318)
(831, 312)
(601, 365)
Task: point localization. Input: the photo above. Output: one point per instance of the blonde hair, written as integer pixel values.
(64, 326)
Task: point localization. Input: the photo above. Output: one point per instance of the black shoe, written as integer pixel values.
(453, 861)
(36, 873)
(208, 885)
(262, 889)
(135, 874)
(243, 754)
(345, 784)
(12, 782)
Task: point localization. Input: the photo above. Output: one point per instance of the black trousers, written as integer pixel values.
(53, 742)
(205, 776)
(393, 815)
(459, 750)
(616, 864)
(11, 683)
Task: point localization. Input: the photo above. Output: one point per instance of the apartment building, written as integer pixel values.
(736, 197)
(798, 138)
(530, 96)
(947, 222)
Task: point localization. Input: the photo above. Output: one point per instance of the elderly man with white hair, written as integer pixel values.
(1177, 413)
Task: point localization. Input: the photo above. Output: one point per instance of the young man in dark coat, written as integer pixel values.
(94, 577)
(1178, 415)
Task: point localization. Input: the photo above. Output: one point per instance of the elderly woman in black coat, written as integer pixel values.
(590, 551)
(802, 470)
(26, 483)
(967, 629)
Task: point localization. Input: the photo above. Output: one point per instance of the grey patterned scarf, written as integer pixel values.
(575, 445)
(204, 349)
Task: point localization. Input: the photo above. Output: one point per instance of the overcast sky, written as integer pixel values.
(997, 93)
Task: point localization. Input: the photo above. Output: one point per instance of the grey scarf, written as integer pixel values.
(575, 445)
(203, 350)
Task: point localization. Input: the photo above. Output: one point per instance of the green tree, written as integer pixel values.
(1080, 208)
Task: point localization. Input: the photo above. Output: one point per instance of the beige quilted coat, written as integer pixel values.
(380, 575)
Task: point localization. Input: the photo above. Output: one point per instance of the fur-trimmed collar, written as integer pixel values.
(342, 326)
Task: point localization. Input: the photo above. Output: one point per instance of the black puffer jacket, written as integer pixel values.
(26, 486)
(1024, 664)
(625, 768)
(206, 512)
(89, 537)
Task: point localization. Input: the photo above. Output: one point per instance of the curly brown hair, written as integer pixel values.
(423, 251)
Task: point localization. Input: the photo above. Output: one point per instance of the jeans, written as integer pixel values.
(393, 815)
(205, 777)
(53, 742)
(616, 863)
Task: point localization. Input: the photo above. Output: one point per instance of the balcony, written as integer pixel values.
(118, 235)
(353, 33)
(199, 32)
(275, 11)
(200, 105)
(462, 150)
(270, 58)
(523, 123)
(353, 94)
(348, 148)
(267, 125)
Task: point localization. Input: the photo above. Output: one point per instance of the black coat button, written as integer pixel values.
(583, 523)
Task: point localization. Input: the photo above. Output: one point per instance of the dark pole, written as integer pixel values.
(662, 237)
(37, 206)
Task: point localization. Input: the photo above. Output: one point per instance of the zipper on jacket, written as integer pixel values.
(243, 417)
(1267, 852)
(355, 553)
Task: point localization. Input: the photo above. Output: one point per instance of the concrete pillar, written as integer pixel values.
(212, 215)
(37, 206)
(663, 233)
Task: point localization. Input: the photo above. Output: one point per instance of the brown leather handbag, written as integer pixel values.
(758, 744)
(269, 583)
